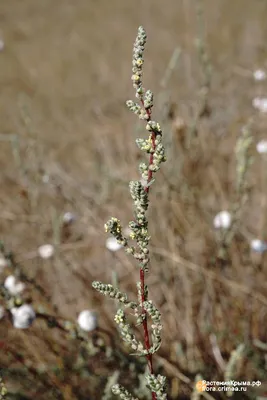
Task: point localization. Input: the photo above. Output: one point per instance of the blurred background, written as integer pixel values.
(67, 145)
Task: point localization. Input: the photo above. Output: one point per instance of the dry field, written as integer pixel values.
(67, 144)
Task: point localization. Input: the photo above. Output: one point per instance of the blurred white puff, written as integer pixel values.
(112, 244)
(260, 103)
(13, 286)
(87, 320)
(259, 75)
(222, 220)
(23, 316)
(46, 251)
(262, 146)
(258, 245)
(68, 218)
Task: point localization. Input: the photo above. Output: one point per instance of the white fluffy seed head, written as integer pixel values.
(68, 218)
(13, 286)
(260, 103)
(259, 75)
(112, 244)
(23, 316)
(87, 320)
(46, 251)
(258, 245)
(262, 146)
(222, 220)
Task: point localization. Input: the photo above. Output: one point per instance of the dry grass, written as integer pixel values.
(65, 76)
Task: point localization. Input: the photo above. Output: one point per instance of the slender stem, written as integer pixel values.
(146, 334)
(142, 272)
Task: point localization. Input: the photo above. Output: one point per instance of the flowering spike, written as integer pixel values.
(138, 232)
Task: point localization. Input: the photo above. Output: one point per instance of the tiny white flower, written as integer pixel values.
(260, 103)
(87, 320)
(259, 75)
(23, 316)
(258, 245)
(46, 251)
(68, 218)
(13, 286)
(2, 312)
(112, 244)
(262, 146)
(222, 220)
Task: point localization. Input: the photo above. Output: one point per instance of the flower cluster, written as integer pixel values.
(158, 156)
(113, 293)
(148, 100)
(156, 327)
(138, 61)
(136, 109)
(127, 334)
(145, 145)
(113, 226)
(142, 292)
(157, 385)
(122, 392)
(3, 389)
(140, 199)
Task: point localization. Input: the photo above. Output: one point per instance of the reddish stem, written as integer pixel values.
(142, 272)
(146, 334)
